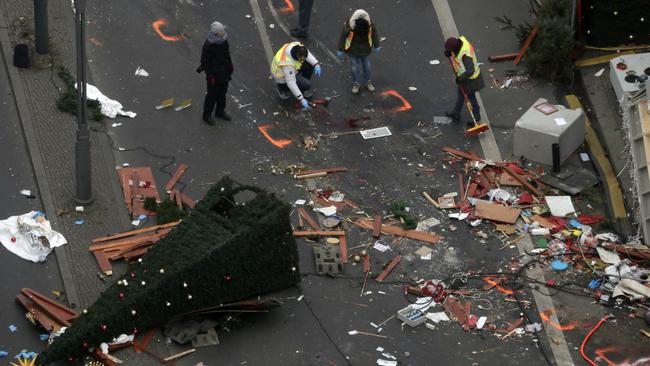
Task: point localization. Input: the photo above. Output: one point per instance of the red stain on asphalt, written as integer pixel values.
(546, 317)
(278, 143)
(405, 104)
(289, 8)
(161, 23)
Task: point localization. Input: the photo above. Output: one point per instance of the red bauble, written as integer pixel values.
(120, 295)
(132, 275)
(103, 327)
(85, 344)
(135, 331)
(227, 277)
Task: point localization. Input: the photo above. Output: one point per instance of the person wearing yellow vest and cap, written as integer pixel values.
(292, 68)
(358, 39)
(468, 75)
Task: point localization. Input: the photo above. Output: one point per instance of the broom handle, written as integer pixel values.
(462, 90)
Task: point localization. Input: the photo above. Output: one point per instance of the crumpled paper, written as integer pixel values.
(110, 108)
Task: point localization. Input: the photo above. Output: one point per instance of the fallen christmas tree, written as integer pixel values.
(223, 252)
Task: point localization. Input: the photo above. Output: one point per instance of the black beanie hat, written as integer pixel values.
(361, 25)
(299, 51)
(453, 44)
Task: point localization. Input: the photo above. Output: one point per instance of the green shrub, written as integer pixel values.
(68, 99)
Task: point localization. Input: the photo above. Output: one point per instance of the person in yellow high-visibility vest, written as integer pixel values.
(468, 75)
(358, 39)
(292, 68)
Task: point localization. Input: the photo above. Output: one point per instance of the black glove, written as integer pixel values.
(447, 53)
(199, 69)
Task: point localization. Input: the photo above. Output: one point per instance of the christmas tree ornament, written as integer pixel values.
(162, 271)
(189, 297)
(133, 312)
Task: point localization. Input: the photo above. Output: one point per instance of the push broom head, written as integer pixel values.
(477, 129)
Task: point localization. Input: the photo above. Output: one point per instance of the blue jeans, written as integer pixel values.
(357, 66)
(460, 100)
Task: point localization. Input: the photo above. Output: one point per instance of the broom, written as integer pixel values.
(478, 127)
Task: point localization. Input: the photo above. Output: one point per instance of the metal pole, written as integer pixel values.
(574, 7)
(84, 192)
(41, 27)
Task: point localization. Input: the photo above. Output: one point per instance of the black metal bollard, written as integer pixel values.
(41, 27)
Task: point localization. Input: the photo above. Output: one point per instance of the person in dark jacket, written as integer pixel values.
(468, 75)
(217, 64)
(304, 15)
(358, 39)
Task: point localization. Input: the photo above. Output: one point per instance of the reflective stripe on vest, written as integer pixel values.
(281, 60)
(466, 50)
(348, 40)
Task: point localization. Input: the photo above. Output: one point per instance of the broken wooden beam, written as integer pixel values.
(103, 263)
(382, 276)
(187, 200)
(318, 232)
(394, 230)
(522, 180)
(318, 171)
(366, 263)
(119, 243)
(178, 355)
(343, 246)
(376, 227)
(501, 58)
(527, 42)
(179, 202)
(310, 220)
(177, 175)
(462, 154)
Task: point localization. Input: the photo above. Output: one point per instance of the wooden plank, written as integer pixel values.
(177, 175)
(104, 265)
(135, 254)
(394, 230)
(382, 276)
(504, 57)
(155, 236)
(179, 355)
(467, 155)
(350, 203)
(522, 180)
(366, 263)
(187, 200)
(323, 202)
(376, 227)
(316, 171)
(138, 347)
(598, 154)
(113, 255)
(135, 232)
(179, 202)
(524, 48)
(343, 246)
(318, 232)
(542, 221)
(310, 220)
(105, 359)
(131, 193)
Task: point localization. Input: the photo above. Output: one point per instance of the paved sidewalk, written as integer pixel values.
(50, 136)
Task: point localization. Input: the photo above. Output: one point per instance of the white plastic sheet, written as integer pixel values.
(29, 236)
(110, 108)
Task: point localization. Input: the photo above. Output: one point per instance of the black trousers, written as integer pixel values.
(215, 96)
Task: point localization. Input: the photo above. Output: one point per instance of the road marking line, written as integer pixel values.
(449, 29)
(557, 342)
(261, 28)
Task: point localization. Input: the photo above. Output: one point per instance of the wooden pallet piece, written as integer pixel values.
(382, 276)
(53, 309)
(177, 175)
(179, 201)
(187, 200)
(46, 322)
(317, 171)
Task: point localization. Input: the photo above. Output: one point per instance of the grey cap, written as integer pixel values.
(217, 27)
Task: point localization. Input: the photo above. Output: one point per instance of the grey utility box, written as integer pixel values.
(545, 124)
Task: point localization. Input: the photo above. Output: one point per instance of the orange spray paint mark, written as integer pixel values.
(546, 317)
(498, 286)
(161, 23)
(289, 8)
(601, 352)
(405, 104)
(278, 143)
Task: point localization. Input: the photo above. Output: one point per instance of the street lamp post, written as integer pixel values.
(83, 180)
